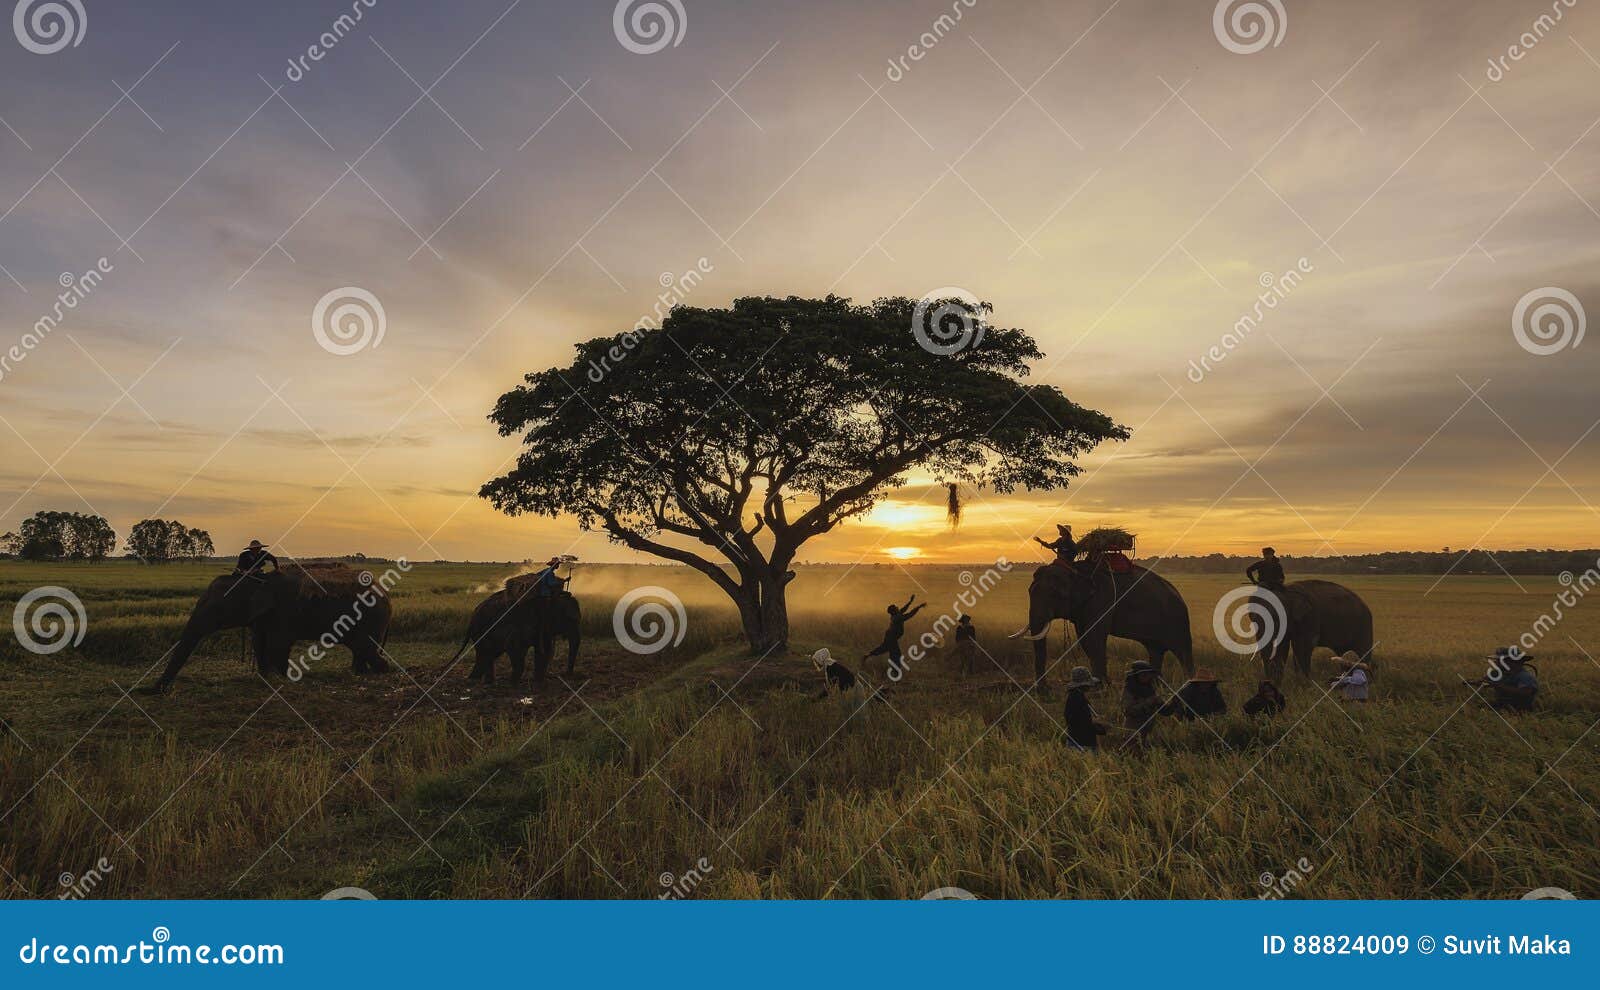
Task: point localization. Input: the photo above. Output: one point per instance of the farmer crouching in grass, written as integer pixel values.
(1268, 701)
(1352, 679)
(1083, 729)
(840, 682)
(1199, 697)
(1512, 680)
(1140, 703)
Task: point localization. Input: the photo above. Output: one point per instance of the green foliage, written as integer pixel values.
(50, 535)
(161, 540)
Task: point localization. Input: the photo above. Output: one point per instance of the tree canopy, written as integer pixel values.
(158, 540)
(751, 429)
(51, 535)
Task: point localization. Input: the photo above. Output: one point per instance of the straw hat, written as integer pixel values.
(822, 658)
(1140, 667)
(1352, 660)
(1081, 678)
(1203, 675)
(257, 545)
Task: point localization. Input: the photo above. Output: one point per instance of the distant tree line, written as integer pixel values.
(1531, 562)
(158, 540)
(49, 535)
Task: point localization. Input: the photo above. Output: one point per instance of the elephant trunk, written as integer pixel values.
(197, 628)
(573, 639)
(1038, 658)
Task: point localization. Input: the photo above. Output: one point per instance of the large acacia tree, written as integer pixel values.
(727, 438)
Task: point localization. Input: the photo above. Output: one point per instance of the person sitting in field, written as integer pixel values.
(966, 645)
(1083, 729)
(1140, 703)
(835, 675)
(1352, 678)
(1517, 685)
(1268, 701)
(1199, 697)
(899, 615)
(254, 559)
(1266, 572)
(1064, 546)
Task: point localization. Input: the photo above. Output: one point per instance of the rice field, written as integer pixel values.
(702, 772)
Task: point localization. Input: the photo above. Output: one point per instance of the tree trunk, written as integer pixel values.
(764, 612)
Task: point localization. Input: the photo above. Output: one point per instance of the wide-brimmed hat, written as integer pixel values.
(257, 545)
(822, 658)
(1141, 667)
(1352, 660)
(1080, 677)
(1508, 654)
(1203, 675)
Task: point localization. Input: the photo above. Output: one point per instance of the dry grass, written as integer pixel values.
(416, 785)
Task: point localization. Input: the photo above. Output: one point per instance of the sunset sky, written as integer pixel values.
(1109, 175)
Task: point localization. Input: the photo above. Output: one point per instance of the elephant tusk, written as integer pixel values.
(1023, 633)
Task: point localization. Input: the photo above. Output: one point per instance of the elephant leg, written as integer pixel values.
(1304, 646)
(487, 655)
(518, 651)
(541, 661)
(1157, 655)
(1095, 647)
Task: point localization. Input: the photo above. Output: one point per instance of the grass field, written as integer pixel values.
(702, 772)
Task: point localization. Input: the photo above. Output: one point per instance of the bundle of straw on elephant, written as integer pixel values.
(1106, 538)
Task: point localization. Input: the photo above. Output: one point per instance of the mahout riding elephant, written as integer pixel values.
(330, 603)
(1137, 604)
(510, 622)
(1318, 613)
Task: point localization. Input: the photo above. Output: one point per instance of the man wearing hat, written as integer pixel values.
(254, 558)
(1512, 679)
(1352, 678)
(1199, 697)
(1140, 703)
(1083, 729)
(1268, 701)
(548, 584)
(966, 645)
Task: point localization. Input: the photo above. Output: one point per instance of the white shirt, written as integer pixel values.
(1354, 683)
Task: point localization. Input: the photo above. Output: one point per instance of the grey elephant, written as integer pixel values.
(512, 621)
(1314, 613)
(1137, 604)
(330, 603)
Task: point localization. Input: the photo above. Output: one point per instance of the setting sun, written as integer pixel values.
(904, 553)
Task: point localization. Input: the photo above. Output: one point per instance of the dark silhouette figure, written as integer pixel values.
(1266, 572)
(254, 559)
(1083, 729)
(967, 645)
(1199, 697)
(899, 615)
(1140, 703)
(1268, 701)
(1516, 686)
(1064, 546)
(836, 677)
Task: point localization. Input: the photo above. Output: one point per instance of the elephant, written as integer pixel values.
(510, 622)
(1138, 604)
(1317, 613)
(332, 604)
